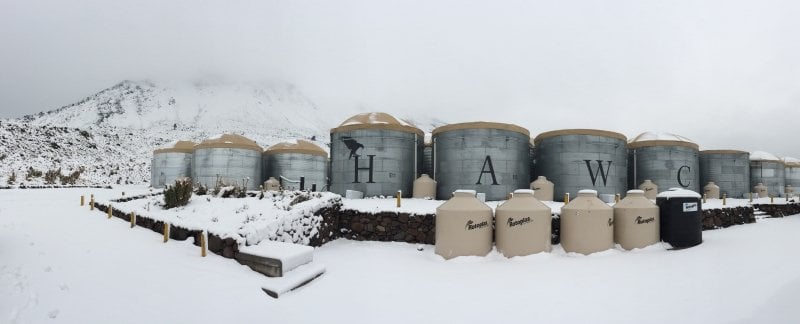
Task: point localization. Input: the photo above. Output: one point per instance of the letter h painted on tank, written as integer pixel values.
(490, 171)
(370, 168)
(600, 171)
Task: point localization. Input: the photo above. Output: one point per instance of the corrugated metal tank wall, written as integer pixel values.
(490, 158)
(671, 161)
(376, 154)
(577, 159)
(233, 158)
(792, 174)
(291, 162)
(167, 167)
(290, 167)
(728, 169)
(170, 162)
(771, 174)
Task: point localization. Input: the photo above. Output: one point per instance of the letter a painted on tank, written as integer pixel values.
(490, 171)
(371, 164)
(680, 181)
(602, 172)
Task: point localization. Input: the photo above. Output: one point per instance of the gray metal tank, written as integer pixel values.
(729, 169)
(427, 159)
(235, 159)
(375, 153)
(792, 172)
(490, 158)
(670, 160)
(577, 159)
(769, 170)
(289, 162)
(170, 162)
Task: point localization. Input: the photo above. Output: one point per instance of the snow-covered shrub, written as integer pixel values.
(12, 179)
(178, 194)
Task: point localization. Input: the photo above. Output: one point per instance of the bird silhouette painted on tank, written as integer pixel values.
(353, 145)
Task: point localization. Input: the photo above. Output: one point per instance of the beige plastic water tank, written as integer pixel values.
(650, 189)
(636, 221)
(463, 226)
(587, 224)
(761, 190)
(272, 184)
(711, 191)
(522, 225)
(424, 187)
(542, 189)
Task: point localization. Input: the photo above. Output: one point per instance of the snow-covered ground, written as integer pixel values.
(59, 262)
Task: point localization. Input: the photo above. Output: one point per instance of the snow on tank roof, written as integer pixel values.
(176, 147)
(791, 162)
(299, 146)
(229, 141)
(376, 120)
(578, 131)
(678, 193)
(481, 125)
(763, 156)
(661, 139)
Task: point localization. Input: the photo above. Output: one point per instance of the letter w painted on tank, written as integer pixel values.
(370, 168)
(602, 172)
(490, 171)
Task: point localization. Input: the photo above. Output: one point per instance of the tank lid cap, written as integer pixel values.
(678, 193)
(636, 192)
(523, 191)
(465, 193)
(587, 193)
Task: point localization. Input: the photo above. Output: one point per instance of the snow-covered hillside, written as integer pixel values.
(111, 134)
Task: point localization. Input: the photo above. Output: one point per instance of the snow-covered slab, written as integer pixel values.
(275, 259)
(275, 287)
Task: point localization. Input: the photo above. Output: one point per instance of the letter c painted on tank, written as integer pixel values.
(679, 175)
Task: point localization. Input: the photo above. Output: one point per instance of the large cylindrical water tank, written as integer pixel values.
(463, 226)
(375, 153)
(587, 224)
(170, 162)
(681, 213)
(792, 172)
(490, 158)
(729, 169)
(576, 159)
(297, 164)
(231, 159)
(769, 170)
(670, 160)
(636, 221)
(523, 225)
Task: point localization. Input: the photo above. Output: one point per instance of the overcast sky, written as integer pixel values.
(724, 73)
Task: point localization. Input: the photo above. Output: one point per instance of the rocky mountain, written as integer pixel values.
(109, 137)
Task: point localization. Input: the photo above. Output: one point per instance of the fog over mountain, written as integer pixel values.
(722, 73)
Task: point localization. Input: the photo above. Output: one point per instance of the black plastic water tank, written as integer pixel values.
(681, 216)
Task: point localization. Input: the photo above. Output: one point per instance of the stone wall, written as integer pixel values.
(779, 210)
(387, 227)
(722, 218)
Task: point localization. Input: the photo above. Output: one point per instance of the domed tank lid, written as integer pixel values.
(176, 147)
(300, 146)
(723, 152)
(763, 156)
(578, 131)
(648, 139)
(791, 162)
(229, 141)
(678, 193)
(377, 120)
(481, 125)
